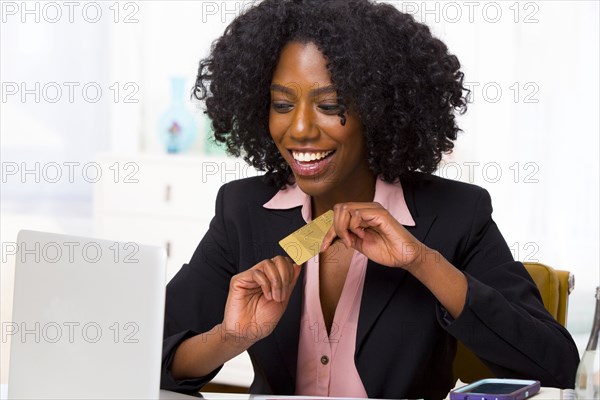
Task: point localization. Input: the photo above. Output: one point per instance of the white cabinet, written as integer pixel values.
(166, 200)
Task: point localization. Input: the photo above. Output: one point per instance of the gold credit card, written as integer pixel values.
(306, 241)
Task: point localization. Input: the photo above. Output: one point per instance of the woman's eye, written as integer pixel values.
(330, 108)
(281, 107)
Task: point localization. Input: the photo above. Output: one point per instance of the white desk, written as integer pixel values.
(544, 394)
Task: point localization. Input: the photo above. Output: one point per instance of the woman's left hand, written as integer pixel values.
(372, 230)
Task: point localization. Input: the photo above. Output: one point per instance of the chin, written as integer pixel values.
(314, 186)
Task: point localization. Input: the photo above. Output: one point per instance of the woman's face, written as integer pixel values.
(303, 120)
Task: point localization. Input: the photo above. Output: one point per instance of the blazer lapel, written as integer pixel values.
(381, 282)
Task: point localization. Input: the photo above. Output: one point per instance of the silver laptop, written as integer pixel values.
(87, 318)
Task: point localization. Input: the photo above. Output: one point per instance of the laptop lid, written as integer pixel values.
(87, 318)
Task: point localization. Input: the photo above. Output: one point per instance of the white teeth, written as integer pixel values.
(305, 157)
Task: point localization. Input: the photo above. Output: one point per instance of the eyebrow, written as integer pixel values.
(314, 92)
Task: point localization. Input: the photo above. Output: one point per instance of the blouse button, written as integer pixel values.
(324, 360)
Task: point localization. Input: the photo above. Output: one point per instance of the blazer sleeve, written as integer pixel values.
(196, 296)
(504, 321)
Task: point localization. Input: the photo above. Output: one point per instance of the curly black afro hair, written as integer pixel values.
(401, 80)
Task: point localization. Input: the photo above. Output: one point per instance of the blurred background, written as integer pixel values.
(99, 136)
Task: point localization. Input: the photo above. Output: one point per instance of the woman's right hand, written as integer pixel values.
(257, 299)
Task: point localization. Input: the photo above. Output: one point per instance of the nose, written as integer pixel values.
(303, 127)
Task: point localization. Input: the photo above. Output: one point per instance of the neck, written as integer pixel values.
(363, 192)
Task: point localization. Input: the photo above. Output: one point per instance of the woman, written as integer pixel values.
(342, 102)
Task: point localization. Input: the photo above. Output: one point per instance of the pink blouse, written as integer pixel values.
(326, 362)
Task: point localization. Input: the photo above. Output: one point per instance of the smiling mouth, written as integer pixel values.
(310, 157)
(311, 163)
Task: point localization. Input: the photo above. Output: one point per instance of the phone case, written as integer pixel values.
(465, 393)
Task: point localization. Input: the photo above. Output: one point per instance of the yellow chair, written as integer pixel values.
(554, 286)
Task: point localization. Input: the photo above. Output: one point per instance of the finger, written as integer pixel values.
(259, 277)
(341, 220)
(360, 205)
(328, 239)
(373, 218)
(297, 270)
(345, 226)
(270, 269)
(331, 234)
(286, 272)
(356, 224)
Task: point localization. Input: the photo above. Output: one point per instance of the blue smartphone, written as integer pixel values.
(496, 389)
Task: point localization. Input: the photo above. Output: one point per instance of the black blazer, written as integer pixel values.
(405, 341)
